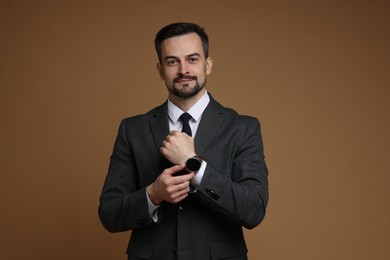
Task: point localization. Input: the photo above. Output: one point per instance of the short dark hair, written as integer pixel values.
(177, 29)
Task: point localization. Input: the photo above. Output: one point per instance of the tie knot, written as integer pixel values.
(185, 117)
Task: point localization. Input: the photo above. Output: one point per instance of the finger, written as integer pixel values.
(179, 196)
(175, 134)
(174, 169)
(179, 189)
(184, 178)
(162, 150)
(183, 187)
(178, 199)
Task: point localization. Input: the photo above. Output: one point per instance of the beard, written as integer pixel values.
(184, 92)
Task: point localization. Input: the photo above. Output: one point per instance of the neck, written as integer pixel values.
(186, 103)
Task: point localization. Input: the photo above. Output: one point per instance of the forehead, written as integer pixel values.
(182, 45)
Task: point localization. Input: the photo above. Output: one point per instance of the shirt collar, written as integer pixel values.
(195, 111)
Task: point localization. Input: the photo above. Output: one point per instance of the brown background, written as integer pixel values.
(316, 73)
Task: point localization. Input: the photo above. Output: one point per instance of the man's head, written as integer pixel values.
(183, 59)
(177, 29)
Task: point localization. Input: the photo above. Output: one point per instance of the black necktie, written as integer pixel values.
(185, 117)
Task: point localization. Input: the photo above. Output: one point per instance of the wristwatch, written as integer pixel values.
(193, 164)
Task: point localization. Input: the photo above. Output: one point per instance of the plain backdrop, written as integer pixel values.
(316, 74)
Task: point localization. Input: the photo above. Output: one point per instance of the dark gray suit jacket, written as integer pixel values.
(206, 225)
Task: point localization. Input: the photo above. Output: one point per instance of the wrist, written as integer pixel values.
(152, 197)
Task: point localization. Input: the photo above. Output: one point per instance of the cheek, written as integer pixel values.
(170, 72)
(168, 75)
(165, 74)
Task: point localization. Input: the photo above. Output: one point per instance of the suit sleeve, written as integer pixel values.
(123, 205)
(240, 191)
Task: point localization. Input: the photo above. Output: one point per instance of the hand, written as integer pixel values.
(178, 147)
(170, 188)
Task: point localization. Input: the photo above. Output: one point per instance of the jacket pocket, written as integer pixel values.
(227, 249)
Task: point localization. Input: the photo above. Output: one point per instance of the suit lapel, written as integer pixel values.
(159, 125)
(210, 123)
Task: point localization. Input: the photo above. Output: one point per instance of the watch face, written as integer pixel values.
(193, 164)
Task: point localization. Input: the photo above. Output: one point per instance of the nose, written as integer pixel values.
(183, 69)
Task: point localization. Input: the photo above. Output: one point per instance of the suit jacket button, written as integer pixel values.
(212, 194)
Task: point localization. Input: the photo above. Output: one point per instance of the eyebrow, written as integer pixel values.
(189, 55)
(193, 54)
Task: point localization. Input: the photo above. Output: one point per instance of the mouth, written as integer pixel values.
(184, 79)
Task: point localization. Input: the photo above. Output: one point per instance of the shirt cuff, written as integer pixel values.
(153, 209)
(199, 176)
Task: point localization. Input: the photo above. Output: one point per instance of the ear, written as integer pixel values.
(209, 65)
(160, 71)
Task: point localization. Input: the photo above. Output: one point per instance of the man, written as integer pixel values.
(186, 195)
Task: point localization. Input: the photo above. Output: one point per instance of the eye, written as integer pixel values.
(193, 59)
(171, 62)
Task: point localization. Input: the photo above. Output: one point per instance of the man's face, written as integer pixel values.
(183, 65)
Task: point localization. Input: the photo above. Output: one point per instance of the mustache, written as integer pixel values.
(185, 77)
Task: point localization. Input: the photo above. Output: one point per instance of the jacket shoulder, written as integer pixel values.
(230, 112)
(146, 116)
(233, 114)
